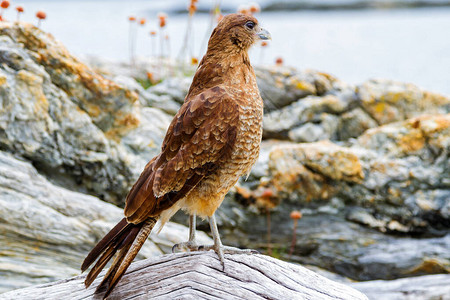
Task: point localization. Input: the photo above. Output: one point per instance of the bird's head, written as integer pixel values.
(236, 33)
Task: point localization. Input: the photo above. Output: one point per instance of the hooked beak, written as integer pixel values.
(264, 34)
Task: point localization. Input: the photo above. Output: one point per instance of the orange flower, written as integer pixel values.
(243, 9)
(279, 61)
(194, 61)
(142, 21)
(20, 9)
(153, 32)
(41, 15)
(4, 4)
(192, 9)
(264, 44)
(162, 19)
(295, 215)
(131, 18)
(254, 8)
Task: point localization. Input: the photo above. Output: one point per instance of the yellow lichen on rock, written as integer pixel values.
(332, 161)
(3, 79)
(33, 84)
(101, 98)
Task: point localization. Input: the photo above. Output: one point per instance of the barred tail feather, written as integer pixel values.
(125, 239)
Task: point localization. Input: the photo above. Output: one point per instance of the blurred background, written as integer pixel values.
(405, 40)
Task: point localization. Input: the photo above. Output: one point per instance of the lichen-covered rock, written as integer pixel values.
(399, 171)
(341, 113)
(48, 230)
(110, 106)
(76, 126)
(388, 101)
(312, 110)
(281, 86)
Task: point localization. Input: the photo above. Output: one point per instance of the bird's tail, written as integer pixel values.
(125, 239)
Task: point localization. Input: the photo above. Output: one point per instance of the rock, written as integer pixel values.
(353, 123)
(311, 110)
(308, 133)
(77, 127)
(388, 101)
(163, 101)
(110, 106)
(176, 88)
(341, 113)
(397, 170)
(281, 86)
(421, 287)
(48, 230)
(200, 275)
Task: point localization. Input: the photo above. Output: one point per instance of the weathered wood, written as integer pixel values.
(199, 275)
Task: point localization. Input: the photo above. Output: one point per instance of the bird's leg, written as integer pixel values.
(191, 244)
(218, 247)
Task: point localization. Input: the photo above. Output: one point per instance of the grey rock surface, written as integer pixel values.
(75, 126)
(343, 112)
(48, 230)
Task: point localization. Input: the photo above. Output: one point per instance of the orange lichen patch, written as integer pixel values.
(431, 124)
(93, 110)
(431, 100)
(289, 175)
(329, 77)
(3, 80)
(33, 84)
(101, 98)
(122, 125)
(305, 86)
(430, 266)
(380, 107)
(332, 161)
(412, 141)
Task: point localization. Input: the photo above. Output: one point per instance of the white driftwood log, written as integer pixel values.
(200, 276)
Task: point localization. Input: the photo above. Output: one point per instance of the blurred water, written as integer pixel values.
(406, 45)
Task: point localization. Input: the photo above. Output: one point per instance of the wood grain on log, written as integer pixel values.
(199, 275)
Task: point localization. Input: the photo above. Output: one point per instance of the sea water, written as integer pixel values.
(410, 45)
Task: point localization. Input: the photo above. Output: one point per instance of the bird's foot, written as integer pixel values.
(186, 246)
(221, 250)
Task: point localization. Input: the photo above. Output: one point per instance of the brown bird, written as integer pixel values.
(212, 141)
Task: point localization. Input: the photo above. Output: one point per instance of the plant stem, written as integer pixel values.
(294, 236)
(269, 245)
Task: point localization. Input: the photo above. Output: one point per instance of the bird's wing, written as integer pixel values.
(200, 137)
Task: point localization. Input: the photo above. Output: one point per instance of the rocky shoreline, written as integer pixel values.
(367, 165)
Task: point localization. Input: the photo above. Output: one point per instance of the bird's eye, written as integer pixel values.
(250, 24)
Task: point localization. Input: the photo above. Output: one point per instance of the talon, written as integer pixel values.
(174, 247)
